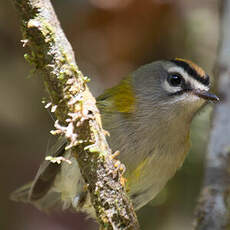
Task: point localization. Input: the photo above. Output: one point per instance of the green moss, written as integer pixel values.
(30, 57)
(61, 76)
(47, 30)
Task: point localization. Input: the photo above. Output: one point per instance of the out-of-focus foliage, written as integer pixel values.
(110, 39)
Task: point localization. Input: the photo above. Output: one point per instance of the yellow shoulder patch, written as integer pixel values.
(120, 98)
(124, 98)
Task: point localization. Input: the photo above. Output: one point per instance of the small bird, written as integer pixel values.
(148, 116)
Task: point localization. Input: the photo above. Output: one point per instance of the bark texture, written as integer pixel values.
(213, 211)
(77, 116)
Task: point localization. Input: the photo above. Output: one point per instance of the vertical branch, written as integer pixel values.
(77, 116)
(213, 211)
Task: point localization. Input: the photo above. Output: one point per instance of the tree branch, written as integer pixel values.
(77, 116)
(213, 211)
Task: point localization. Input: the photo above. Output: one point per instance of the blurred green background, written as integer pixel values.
(110, 39)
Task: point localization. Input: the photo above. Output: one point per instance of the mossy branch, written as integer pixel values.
(77, 116)
(213, 211)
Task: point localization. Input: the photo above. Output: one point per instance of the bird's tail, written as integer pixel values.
(50, 202)
(22, 193)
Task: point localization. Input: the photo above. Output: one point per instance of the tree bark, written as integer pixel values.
(213, 210)
(77, 116)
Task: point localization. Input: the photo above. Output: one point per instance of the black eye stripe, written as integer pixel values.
(192, 72)
(185, 87)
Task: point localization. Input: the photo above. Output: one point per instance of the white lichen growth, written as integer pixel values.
(57, 160)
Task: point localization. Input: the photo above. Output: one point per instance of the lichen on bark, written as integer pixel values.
(77, 116)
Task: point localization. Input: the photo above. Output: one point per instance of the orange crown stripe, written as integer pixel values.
(198, 69)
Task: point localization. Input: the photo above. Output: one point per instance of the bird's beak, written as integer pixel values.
(206, 95)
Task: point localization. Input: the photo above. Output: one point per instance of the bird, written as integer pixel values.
(148, 115)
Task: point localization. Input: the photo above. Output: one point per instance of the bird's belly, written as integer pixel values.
(150, 177)
(143, 183)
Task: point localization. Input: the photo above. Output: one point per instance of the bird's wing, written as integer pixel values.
(47, 172)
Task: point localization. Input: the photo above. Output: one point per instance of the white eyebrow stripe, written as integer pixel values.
(194, 83)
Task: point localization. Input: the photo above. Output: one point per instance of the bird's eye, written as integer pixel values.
(174, 79)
